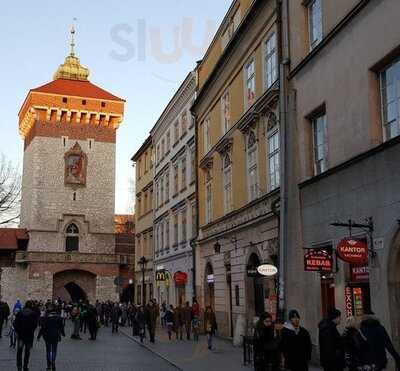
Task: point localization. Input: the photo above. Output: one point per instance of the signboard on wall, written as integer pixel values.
(180, 278)
(360, 273)
(353, 251)
(318, 260)
(348, 301)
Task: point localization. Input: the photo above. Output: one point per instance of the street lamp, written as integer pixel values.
(142, 262)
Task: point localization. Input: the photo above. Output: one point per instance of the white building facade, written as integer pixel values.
(175, 208)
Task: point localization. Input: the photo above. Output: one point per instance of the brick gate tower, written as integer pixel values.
(68, 189)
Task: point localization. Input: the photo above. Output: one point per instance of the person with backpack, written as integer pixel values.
(51, 330)
(375, 342)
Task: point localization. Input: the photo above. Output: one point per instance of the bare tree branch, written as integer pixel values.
(10, 192)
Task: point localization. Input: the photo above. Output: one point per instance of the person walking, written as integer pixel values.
(196, 319)
(187, 319)
(17, 305)
(162, 314)
(178, 322)
(3, 316)
(141, 323)
(169, 320)
(210, 325)
(331, 344)
(266, 345)
(75, 318)
(11, 333)
(375, 342)
(25, 325)
(91, 317)
(352, 343)
(115, 316)
(296, 344)
(151, 314)
(51, 330)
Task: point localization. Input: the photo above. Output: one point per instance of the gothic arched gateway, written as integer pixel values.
(394, 288)
(74, 285)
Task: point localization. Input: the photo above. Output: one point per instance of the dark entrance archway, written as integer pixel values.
(75, 292)
(394, 288)
(255, 287)
(209, 295)
(128, 294)
(71, 285)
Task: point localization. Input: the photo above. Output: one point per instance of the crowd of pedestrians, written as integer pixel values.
(361, 347)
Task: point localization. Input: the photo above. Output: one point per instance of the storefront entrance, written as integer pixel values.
(394, 289)
(209, 295)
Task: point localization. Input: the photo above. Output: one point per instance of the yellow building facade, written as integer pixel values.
(238, 159)
(144, 174)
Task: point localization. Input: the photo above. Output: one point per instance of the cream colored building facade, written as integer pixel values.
(175, 210)
(144, 170)
(238, 156)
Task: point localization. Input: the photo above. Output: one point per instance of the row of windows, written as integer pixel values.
(181, 126)
(144, 202)
(270, 63)
(173, 230)
(145, 163)
(252, 172)
(180, 179)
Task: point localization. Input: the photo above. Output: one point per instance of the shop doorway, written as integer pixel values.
(209, 295)
(255, 286)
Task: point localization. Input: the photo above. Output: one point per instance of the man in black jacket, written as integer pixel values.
(330, 342)
(25, 325)
(378, 343)
(4, 313)
(51, 330)
(295, 344)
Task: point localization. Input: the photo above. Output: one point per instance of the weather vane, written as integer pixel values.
(72, 36)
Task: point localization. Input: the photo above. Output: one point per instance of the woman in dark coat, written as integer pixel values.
(170, 320)
(91, 318)
(266, 345)
(210, 325)
(140, 320)
(52, 328)
(352, 344)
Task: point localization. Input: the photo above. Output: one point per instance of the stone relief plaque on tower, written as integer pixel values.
(75, 166)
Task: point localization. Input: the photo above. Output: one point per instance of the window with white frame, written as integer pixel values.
(183, 172)
(252, 171)
(192, 165)
(390, 92)
(273, 158)
(161, 191)
(320, 137)
(184, 122)
(194, 221)
(167, 185)
(271, 57)
(176, 130)
(161, 226)
(225, 112)
(168, 140)
(208, 197)
(176, 230)
(176, 179)
(227, 181)
(207, 136)
(184, 225)
(250, 76)
(315, 22)
(167, 241)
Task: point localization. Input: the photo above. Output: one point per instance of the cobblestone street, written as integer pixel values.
(110, 352)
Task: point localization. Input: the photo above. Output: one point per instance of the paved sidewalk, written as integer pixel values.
(194, 356)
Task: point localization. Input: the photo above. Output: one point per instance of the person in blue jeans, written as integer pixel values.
(51, 330)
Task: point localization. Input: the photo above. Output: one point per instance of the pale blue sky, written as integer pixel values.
(117, 41)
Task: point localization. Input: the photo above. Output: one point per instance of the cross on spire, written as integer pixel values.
(72, 37)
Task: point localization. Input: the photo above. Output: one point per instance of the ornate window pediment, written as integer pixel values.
(75, 166)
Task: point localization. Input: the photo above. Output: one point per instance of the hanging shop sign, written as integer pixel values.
(180, 278)
(353, 251)
(348, 301)
(162, 275)
(267, 270)
(210, 278)
(318, 260)
(360, 273)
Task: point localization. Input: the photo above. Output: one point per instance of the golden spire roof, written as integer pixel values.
(71, 69)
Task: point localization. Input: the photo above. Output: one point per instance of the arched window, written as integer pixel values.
(72, 238)
(252, 166)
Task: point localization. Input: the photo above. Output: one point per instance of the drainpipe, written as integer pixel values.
(283, 53)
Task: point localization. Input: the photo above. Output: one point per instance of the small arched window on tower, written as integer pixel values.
(72, 238)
